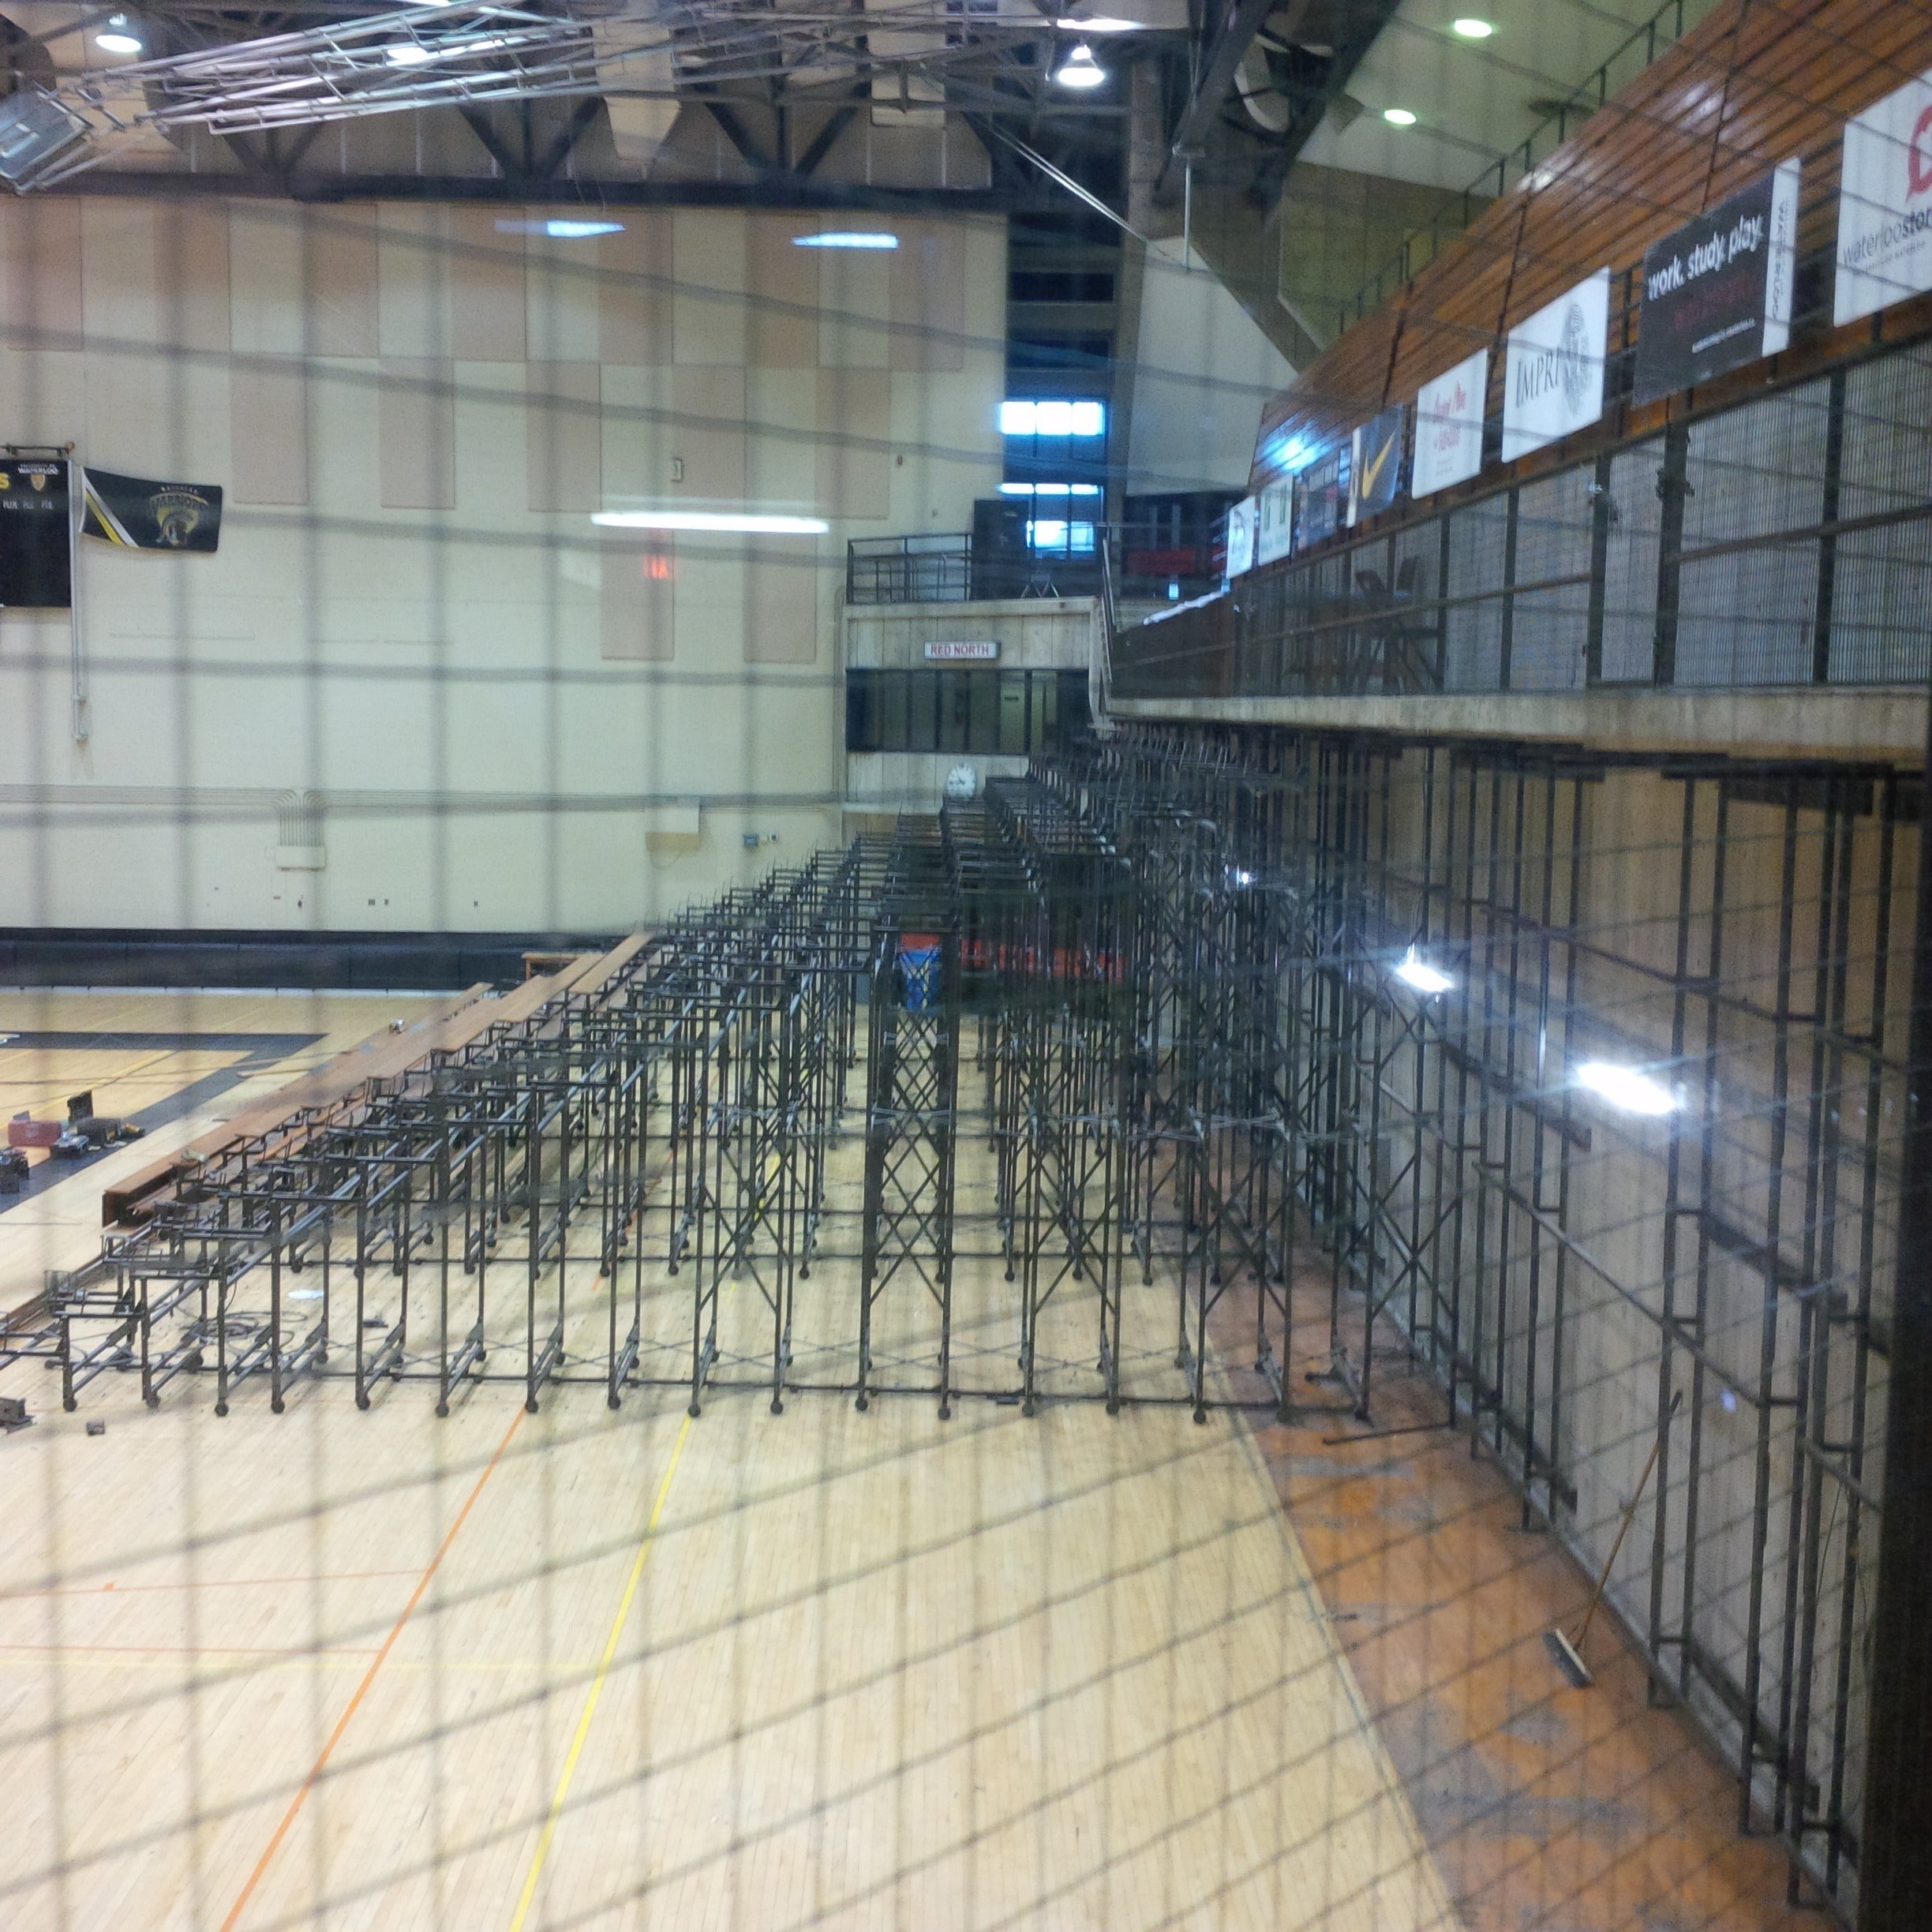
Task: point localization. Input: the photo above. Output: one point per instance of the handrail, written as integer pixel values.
(1372, 291)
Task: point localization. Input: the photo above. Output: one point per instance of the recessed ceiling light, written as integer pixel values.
(848, 239)
(751, 523)
(117, 40)
(1472, 29)
(1624, 1087)
(1399, 117)
(1080, 70)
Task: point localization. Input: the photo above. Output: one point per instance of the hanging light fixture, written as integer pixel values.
(117, 38)
(1080, 70)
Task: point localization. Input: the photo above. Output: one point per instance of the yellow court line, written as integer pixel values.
(354, 1704)
(542, 1855)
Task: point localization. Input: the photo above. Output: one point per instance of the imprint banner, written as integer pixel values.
(1553, 381)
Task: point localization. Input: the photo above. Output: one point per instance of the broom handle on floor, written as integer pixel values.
(1630, 1510)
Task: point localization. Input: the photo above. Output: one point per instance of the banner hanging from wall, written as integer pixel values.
(1717, 294)
(1275, 522)
(1553, 381)
(1449, 426)
(1324, 497)
(1375, 465)
(36, 533)
(1240, 538)
(1885, 204)
(134, 514)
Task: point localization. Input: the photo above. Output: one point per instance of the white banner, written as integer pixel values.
(1885, 204)
(1240, 538)
(1449, 426)
(1275, 522)
(1553, 381)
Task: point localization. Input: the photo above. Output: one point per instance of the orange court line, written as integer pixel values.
(160, 1649)
(342, 1723)
(128, 1589)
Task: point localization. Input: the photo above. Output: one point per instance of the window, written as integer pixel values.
(1010, 712)
(1054, 443)
(1056, 537)
(1052, 416)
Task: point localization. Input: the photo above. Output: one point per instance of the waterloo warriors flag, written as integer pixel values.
(135, 514)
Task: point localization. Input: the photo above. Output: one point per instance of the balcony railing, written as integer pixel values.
(1786, 540)
(909, 569)
(946, 569)
(1656, 35)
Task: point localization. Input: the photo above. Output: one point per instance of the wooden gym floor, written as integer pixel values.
(379, 1670)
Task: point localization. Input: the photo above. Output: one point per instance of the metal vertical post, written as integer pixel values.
(1895, 1871)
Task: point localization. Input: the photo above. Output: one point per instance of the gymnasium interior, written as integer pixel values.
(965, 963)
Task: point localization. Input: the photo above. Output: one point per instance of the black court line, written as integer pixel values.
(259, 1051)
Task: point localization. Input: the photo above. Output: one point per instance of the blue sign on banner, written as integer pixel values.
(1376, 472)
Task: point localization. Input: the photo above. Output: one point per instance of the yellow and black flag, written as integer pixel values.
(136, 514)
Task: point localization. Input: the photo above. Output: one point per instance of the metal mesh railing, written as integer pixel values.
(1785, 541)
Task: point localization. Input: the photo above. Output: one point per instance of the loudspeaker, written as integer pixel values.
(35, 130)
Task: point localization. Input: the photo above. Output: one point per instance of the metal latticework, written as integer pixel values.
(1600, 1137)
(1432, 1044)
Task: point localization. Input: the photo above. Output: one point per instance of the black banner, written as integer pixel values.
(1324, 495)
(135, 514)
(1716, 294)
(36, 543)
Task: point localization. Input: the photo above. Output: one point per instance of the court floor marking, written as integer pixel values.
(388, 1644)
(542, 1856)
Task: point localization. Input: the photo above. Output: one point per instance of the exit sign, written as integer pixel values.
(969, 650)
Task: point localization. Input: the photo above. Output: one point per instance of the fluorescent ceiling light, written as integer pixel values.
(747, 522)
(1100, 23)
(409, 54)
(1049, 489)
(117, 40)
(847, 239)
(1399, 117)
(1081, 70)
(1624, 1087)
(1419, 974)
(1472, 29)
(562, 228)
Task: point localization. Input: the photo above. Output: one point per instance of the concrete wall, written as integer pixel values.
(1836, 723)
(1203, 372)
(505, 717)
